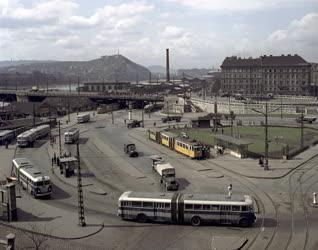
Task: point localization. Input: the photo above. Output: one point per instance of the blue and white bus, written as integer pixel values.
(31, 179)
(187, 208)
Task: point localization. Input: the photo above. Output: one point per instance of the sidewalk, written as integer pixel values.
(250, 168)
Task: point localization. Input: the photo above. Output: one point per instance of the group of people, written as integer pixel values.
(263, 163)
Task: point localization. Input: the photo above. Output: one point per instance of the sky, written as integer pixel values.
(199, 33)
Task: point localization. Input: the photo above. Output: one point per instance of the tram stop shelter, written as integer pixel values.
(237, 147)
(68, 165)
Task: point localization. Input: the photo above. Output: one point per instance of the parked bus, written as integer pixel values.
(26, 139)
(81, 118)
(71, 136)
(187, 208)
(31, 179)
(42, 131)
(6, 136)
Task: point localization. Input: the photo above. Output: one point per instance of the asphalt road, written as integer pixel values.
(285, 218)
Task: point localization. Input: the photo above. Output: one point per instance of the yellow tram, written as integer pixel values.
(187, 147)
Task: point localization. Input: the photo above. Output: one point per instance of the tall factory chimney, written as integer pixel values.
(167, 66)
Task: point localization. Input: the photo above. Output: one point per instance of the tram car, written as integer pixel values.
(167, 139)
(189, 148)
(154, 134)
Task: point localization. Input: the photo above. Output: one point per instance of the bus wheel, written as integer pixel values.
(141, 218)
(244, 222)
(195, 221)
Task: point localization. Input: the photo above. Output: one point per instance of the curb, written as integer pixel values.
(268, 177)
(53, 236)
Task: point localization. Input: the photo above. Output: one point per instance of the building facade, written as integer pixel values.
(111, 87)
(285, 74)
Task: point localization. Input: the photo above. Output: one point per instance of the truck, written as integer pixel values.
(130, 149)
(134, 124)
(171, 118)
(167, 174)
(307, 118)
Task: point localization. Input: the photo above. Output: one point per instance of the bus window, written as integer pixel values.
(167, 205)
(215, 208)
(136, 204)
(206, 207)
(188, 206)
(235, 208)
(148, 204)
(244, 208)
(197, 207)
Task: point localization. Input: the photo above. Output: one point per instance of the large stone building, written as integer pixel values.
(285, 74)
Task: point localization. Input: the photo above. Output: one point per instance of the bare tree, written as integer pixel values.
(38, 235)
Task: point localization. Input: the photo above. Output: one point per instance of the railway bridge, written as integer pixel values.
(39, 96)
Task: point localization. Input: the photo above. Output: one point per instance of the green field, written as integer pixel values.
(279, 137)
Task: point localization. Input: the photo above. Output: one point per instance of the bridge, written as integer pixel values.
(39, 96)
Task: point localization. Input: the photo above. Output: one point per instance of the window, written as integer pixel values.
(215, 208)
(206, 207)
(147, 204)
(136, 204)
(167, 205)
(197, 207)
(235, 208)
(244, 208)
(188, 207)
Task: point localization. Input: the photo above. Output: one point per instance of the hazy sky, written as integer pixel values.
(199, 33)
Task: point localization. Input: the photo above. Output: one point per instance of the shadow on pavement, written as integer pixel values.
(24, 216)
(58, 193)
(183, 183)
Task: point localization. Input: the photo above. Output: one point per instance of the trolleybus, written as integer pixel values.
(187, 208)
(31, 179)
(81, 118)
(71, 136)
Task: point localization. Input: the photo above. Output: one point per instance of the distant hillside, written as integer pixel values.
(107, 68)
(157, 69)
(15, 63)
(199, 73)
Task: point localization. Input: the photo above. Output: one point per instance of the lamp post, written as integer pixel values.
(265, 114)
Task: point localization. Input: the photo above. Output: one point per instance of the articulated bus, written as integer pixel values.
(71, 136)
(187, 208)
(31, 179)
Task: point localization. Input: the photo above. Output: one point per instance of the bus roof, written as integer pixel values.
(146, 196)
(218, 199)
(5, 132)
(188, 141)
(35, 173)
(21, 162)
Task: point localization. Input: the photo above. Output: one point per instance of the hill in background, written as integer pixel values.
(106, 68)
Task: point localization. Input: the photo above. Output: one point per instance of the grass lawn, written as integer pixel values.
(278, 136)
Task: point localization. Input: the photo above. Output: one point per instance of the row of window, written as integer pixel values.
(187, 207)
(266, 70)
(216, 207)
(159, 205)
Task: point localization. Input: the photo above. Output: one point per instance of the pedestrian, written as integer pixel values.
(58, 161)
(52, 161)
(7, 144)
(222, 130)
(154, 124)
(260, 162)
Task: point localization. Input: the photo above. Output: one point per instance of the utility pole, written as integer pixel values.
(112, 117)
(60, 142)
(266, 141)
(50, 122)
(33, 107)
(142, 114)
(81, 216)
(68, 103)
(302, 129)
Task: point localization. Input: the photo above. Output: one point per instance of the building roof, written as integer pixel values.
(105, 83)
(283, 60)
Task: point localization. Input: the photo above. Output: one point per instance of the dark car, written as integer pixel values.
(171, 118)
(130, 149)
(134, 124)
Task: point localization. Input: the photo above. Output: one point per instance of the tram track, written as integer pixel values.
(233, 175)
(303, 194)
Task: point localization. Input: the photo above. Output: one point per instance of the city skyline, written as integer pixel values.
(199, 33)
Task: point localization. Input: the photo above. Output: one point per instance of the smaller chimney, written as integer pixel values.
(167, 66)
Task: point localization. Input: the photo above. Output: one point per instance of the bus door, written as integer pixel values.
(159, 211)
(225, 214)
